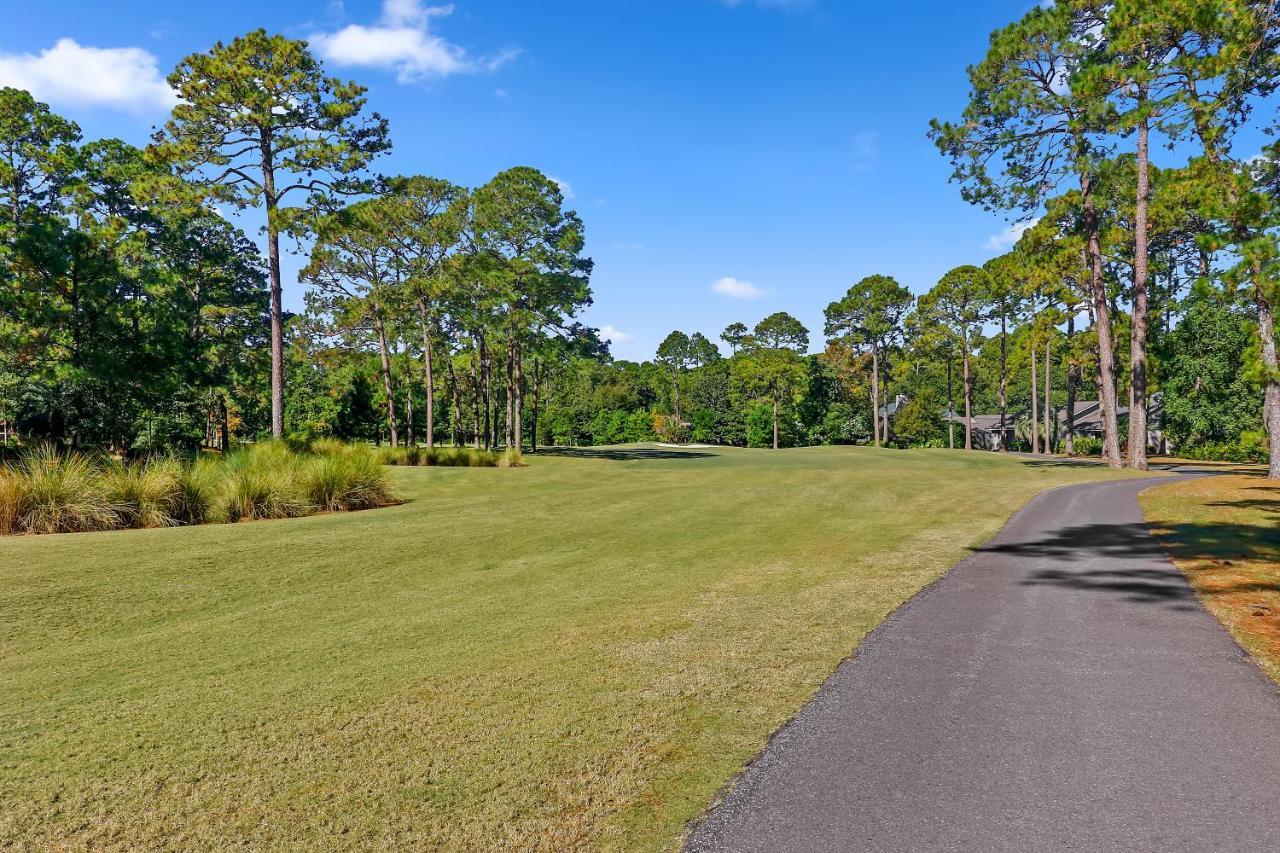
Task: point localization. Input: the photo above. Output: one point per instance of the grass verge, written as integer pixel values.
(576, 657)
(1223, 532)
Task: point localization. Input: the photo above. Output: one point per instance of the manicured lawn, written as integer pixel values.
(1224, 533)
(579, 653)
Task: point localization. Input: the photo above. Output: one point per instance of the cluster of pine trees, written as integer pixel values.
(1064, 113)
(136, 318)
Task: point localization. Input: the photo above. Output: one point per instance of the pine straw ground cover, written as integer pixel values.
(1223, 532)
(573, 655)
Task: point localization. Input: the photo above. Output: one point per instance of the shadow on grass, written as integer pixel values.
(622, 454)
(1057, 462)
(1260, 504)
(1063, 552)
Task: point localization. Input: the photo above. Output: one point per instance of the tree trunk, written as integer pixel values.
(775, 420)
(277, 307)
(1271, 396)
(386, 378)
(486, 379)
(1004, 375)
(455, 400)
(1073, 380)
(951, 406)
(1035, 402)
(409, 437)
(968, 400)
(509, 381)
(537, 400)
(518, 406)
(875, 396)
(675, 390)
(1048, 400)
(477, 397)
(429, 379)
(1138, 337)
(1102, 319)
(226, 423)
(511, 394)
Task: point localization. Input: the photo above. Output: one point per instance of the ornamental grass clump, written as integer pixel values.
(145, 494)
(202, 493)
(65, 494)
(14, 498)
(263, 483)
(49, 491)
(443, 457)
(342, 482)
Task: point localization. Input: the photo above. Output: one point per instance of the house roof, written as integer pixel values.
(1087, 416)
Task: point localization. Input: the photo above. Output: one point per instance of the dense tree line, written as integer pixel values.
(135, 317)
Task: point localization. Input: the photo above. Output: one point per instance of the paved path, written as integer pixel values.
(1060, 690)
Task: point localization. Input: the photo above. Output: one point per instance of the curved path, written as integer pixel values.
(1059, 690)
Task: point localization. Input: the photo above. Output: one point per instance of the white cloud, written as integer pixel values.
(402, 41)
(614, 336)
(124, 78)
(735, 289)
(566, 189)
(1007, 238)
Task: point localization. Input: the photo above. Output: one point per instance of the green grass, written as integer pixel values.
(1224, 534)
(575, 654)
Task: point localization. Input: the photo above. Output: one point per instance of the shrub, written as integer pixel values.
(640, 427)
(669, 428)
(1250, 447)
(704, 425)
(342, 482)
(64, 494)
(920, 423)
(1085, 445)
(144, 494)
(760, 427)
(512, 457)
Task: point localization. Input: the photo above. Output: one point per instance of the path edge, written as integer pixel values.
(872, 637)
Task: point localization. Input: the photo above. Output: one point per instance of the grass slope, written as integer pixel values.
(575, 654)
(1223, 532)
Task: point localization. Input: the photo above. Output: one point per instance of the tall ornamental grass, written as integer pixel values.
(449, 457)
(50, 491)
(144, 494)
(64, 494)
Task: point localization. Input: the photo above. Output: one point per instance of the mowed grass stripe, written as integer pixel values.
(576, 654)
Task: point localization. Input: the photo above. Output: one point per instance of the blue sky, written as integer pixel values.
(778, 144)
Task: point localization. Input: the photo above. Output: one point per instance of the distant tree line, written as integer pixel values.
(136, 318)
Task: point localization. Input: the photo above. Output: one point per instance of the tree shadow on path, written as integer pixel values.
(1070, 546)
